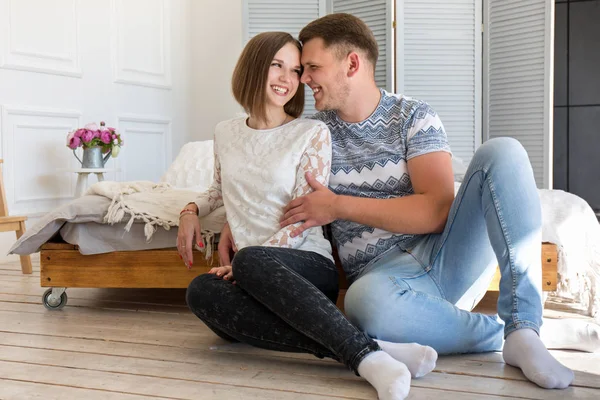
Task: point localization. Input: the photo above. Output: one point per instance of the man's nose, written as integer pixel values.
(305, 78)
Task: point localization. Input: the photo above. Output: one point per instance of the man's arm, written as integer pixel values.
(426, 211)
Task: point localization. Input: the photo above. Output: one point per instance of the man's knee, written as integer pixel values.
(502, 150)
(368, 303)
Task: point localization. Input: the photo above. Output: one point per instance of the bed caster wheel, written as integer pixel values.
(55, 298)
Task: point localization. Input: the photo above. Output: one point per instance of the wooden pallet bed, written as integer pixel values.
(63, 266)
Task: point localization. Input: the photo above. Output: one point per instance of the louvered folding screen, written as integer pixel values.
(282, 15)
(440, 55)
(519, 55)
(378, 16)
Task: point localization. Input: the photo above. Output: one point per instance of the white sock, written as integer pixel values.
(570, 334)
(389, 377)
(524, 349)
(420, 360)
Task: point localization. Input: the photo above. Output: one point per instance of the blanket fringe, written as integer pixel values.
(118, 210)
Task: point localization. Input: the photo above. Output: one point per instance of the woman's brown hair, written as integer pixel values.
(249, 81)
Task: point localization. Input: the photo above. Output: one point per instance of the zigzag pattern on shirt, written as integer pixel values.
(356, 263)
(394, 159)
(379, 139)
(345, 231)
(392, 187)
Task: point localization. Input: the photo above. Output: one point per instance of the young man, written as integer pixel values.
(419, 259)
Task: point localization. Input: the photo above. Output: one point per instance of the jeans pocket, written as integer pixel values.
(413, 268)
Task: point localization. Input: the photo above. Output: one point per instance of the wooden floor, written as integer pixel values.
(145, 344)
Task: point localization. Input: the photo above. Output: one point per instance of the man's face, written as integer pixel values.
(325, 74)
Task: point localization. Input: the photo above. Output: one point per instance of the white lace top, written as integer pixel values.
(258, 172)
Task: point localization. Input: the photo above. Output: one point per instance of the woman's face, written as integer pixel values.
(284, 75)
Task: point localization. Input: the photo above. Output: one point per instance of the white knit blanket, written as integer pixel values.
(156, 205)
(570, 223)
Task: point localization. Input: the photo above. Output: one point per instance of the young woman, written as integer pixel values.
(285, 287)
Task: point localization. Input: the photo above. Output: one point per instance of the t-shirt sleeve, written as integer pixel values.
(425, 133)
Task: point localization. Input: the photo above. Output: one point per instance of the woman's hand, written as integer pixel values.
(224, 271)
(189, 230)
(226, 246)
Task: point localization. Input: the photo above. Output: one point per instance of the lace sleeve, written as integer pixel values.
(212, 199)
(316, 160)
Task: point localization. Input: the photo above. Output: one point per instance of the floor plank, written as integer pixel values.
(145, 343)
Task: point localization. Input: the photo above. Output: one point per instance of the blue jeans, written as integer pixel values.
(424, 294)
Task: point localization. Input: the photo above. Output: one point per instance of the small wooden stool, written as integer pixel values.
(12, 223)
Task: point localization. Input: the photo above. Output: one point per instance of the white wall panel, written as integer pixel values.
(35, 157)
(141, 42)
(147, 151)
(52, 47)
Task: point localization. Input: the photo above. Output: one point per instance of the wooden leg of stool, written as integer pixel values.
(26, 267)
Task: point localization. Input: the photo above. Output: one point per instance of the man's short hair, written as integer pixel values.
(344, 31)
(249, 81)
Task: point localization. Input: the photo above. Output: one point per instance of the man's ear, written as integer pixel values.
(353, 64)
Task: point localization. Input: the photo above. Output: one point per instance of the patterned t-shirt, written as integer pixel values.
(369, 160)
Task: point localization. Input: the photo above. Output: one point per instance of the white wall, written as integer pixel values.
(64, 63)
(217, 44)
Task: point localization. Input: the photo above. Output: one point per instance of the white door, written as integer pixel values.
(518, 71)
(439, 55)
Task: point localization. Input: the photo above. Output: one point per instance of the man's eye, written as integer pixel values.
(299, 72)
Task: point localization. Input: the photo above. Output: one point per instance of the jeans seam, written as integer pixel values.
(508, 242)
(447, 233)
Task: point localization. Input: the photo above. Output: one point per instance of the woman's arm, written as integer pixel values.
(211, 199)
(316, 160)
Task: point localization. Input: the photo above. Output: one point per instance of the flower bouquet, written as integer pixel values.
(95, 141)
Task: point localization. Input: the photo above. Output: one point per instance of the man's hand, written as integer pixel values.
(226, 246)
(315, 209)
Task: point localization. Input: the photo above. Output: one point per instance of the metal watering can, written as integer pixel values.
(92, 157)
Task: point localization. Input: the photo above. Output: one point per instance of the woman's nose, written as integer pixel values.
(285, 76)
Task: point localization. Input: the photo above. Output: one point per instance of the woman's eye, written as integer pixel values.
(276, 65)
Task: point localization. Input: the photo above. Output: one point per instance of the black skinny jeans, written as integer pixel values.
(283, 300)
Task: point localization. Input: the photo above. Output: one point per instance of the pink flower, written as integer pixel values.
(97, 133)
(74, 142)
(70, 136)
(87, 136)
(91, 127)
(112, 130)
(114, 136)
(105, 137)
(79, 132)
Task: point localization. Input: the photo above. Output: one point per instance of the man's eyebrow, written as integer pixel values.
(309, 63)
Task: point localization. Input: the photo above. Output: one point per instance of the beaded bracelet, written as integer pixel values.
(185, 212)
